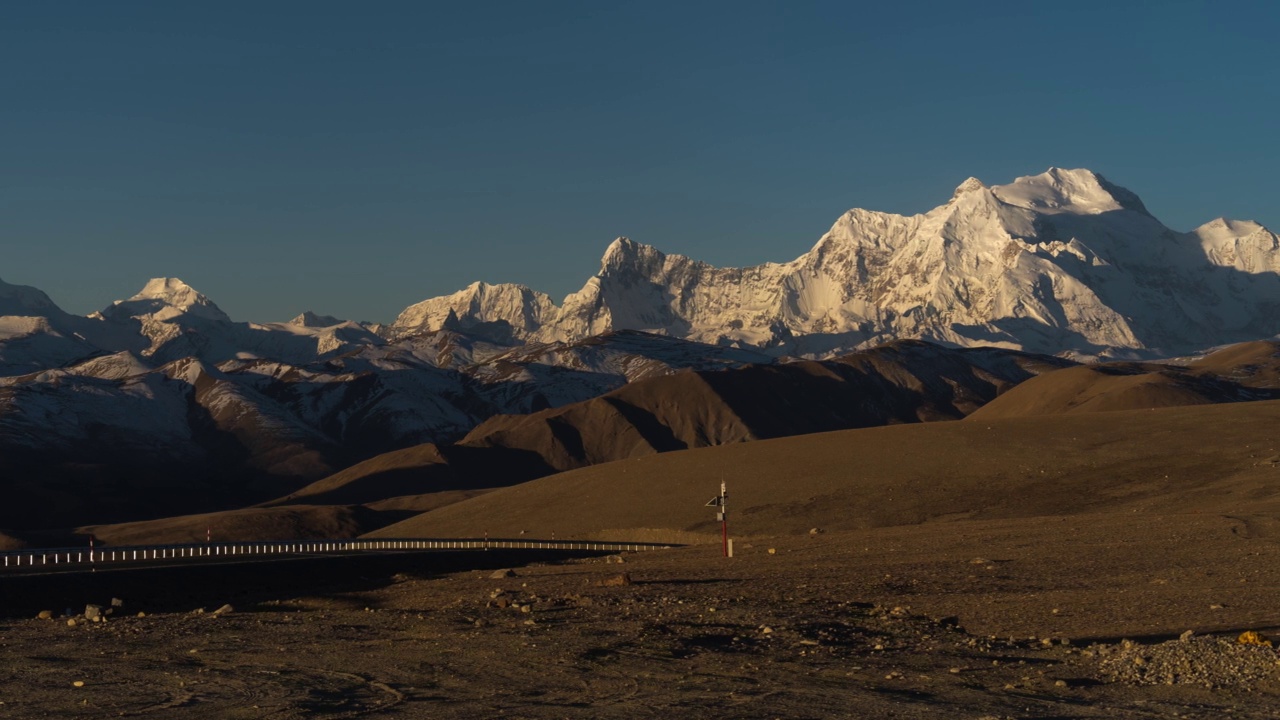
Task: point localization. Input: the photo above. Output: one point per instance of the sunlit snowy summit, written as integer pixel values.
(1060, 262)
(1064, 262)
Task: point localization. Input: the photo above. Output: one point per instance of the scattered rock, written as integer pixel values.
(224, 610)
(501, 603)
(71, 622)
(815, 531)
(1197, 660)
(78, 683)
(1186, 635)
(614, 559)
(501, 574)
(93, 613)
(615, 581)
(117, 602)
(141, 614)
(773, 551)
(45, 615)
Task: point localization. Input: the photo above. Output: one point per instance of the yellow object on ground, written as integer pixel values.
(1250, 637)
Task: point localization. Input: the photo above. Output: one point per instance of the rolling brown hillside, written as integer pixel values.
(904, 382)
(1222, 459)
(1249, 371)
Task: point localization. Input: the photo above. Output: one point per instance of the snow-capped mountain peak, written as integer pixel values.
(968, 186)
(1064, 261)
(165, 299)
(312, 320)
(1240, 244)
(505, 311)
(1079, 192)
(23, 300)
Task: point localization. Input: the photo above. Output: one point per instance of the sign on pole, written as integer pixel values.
(722, 516)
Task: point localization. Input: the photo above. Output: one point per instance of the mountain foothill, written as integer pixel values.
(1024, 341)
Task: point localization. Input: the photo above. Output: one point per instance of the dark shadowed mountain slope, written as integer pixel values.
(905, 382)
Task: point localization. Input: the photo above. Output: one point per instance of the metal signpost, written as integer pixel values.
(722, 515)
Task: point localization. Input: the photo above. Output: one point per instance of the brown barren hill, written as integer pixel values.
(1102, 388)
(1248, 371)
(903, 382)
(1251, 364)
(1200, 459)
(298, 522)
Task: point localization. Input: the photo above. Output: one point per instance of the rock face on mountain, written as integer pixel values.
(1064, 261)
(502, 312)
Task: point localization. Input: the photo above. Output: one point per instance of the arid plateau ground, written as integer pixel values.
(1015, 564)
(965, 619)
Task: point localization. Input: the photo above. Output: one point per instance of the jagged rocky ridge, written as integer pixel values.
(1061, 262)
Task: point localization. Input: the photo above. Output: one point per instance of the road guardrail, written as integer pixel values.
(86, 558)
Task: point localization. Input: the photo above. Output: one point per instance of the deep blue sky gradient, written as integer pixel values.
(353, 158)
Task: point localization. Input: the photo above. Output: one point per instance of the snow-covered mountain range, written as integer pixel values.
(1064, 262)
(161, 403)
(1061, 262)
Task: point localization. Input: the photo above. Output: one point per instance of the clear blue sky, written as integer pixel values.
(353, 158)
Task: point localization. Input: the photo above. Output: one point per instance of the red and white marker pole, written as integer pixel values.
(724, 519)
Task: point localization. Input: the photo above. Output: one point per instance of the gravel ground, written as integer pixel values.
(1213, 662)
(817, 629)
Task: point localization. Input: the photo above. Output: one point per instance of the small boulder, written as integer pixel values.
(45, 615)
(224, 610)
(501, 574)
(93, 613)
(615, 581)
(117, 603)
